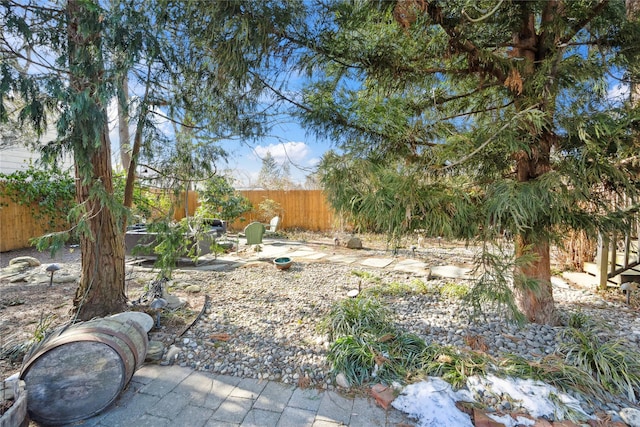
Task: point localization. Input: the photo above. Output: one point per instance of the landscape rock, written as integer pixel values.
(155, 351)
(193, 289)
(32, 262)
(354, 243)
(631, 416)
(174, 301)
(342, 381)
(36, 278)
(14, 269)
(172, 353)
(17, 278)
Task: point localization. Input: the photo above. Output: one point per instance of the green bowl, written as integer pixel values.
(283, 263)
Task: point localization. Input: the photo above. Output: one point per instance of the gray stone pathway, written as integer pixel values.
(274, 248)
(174, 396)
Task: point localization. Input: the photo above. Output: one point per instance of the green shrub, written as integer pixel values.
(612, 363)
(356, 316)
(454, 290)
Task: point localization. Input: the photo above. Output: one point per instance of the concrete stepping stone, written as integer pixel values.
(301, 254)
(451, 272)
(315, 255)
(377, 262)
(412, 266)
(342, 259)
(581, 279)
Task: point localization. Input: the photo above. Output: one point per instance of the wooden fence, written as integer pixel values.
(18, 225)
(303, 209)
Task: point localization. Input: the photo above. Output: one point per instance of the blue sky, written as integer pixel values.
(287, 142)
(290, 144)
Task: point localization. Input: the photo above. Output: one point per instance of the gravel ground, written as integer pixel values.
(262, 323)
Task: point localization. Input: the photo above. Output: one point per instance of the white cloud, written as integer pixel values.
(284, 152)
(314, 161)
(619, 92)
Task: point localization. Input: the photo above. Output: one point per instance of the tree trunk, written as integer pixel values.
(137, 145)
(101, 288)
(633, 13)
(123, 123)
(536, 302)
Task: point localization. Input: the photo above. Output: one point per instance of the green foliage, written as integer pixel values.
(553, 370)
(454, 290)
(43, 327)
(453, 365)
(352, 356)
(449, 124)
(393, 288)
(356, 315)
(398, 288)
(49, 192)
(144, 203)
(220, 200)
(175, 240)
(612, 363)
(494, 285)
(580, 320)
(269, 208)
(368, 276)
(367, 346)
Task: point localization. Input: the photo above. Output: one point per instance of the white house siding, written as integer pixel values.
(19, 157)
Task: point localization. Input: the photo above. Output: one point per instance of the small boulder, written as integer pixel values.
(155, 351)
(631, 416)
(65, 278)
(193, 289)
(342, 381)
(32, 262)
(18, 278)
(174, 302)
(354, 243)
(172, 353)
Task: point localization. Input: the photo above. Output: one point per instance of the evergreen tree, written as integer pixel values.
(194, 60)
(273, 176)
(469, 118)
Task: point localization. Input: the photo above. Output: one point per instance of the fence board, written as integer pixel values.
(304, 209)
(18, 225)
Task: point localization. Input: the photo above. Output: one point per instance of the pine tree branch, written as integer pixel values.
(488, 141)
(575, 29)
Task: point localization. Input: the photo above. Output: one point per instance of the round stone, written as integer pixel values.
(142, 319)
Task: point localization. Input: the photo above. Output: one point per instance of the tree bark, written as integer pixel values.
(137, 145)
(633, 13)
(101, 288)
(535, 302)
(123, 123)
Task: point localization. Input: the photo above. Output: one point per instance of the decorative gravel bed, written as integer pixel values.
(262, 323)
